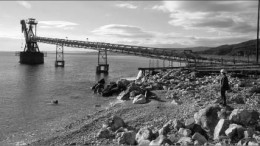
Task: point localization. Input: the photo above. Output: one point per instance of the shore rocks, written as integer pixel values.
(160, 140)
(105, 133)
(189, 123)
(185, 141)
(123, 83)
(220, 128)
(114, 123)
(200, 138)
(126, 138)
(211, 124)
(208, 117)
(177, 124)
(244, 117)
(123, 95)
(184, 132)
(144, 134)
(235, 132)
(139, 99)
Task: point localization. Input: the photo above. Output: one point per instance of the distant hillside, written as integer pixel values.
(233, 49)
(197, 49)
(194, 49)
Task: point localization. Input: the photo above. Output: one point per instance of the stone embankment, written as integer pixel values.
(213, 124)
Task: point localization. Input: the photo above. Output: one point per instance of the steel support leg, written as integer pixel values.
(59, 62)
(102, 67)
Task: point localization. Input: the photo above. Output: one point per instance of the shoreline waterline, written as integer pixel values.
(26, 107)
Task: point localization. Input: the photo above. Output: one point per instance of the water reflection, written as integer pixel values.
(102, 75)
(30, 87)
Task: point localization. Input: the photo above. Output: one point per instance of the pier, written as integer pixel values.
(188, 57)
(245, 69)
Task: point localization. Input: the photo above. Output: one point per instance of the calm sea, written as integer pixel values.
(26, 92)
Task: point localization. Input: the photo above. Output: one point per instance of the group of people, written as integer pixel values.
(112, 88)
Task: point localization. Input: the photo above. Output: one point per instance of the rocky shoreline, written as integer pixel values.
(177, 107)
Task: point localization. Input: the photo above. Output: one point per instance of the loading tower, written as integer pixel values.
(31, 53)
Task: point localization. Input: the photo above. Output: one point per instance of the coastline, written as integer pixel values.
(153, 114)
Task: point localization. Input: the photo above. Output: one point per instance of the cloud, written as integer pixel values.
(206, 6)
(25, 4)
(133, 35)
(160, 8)
(225, 16)
(119, 30)
(57, 24)
(126, 5)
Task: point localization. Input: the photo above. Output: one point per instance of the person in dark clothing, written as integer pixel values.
(99, 87)
(224, 86)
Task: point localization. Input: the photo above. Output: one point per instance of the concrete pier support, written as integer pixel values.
(31, 58)
(59, 62)
(103, 66)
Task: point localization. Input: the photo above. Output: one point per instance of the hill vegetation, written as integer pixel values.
(243, 48)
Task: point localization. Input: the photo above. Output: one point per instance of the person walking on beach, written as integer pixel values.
(224, 86)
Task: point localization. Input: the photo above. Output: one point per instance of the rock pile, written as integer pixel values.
(184, 83)
(205, 128)
(212, 124)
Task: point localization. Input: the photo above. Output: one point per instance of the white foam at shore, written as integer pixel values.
(130, 78)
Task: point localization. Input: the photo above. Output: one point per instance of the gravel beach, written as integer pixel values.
(179, 96)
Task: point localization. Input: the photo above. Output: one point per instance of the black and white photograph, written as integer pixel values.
(129, 72)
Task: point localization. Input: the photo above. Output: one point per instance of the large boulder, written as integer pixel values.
(185, 141)
(114, 123)
(111, 89)
(160, 140)
(244, 117)
(200, 138)
(207, 117)
(126, 138)
(167, 127)
(249, 132)
(235, 132)
(144, 143)
(144, 134)
(123, 95)
(184, 132)
(134, 93)
(189, 123)
(248, 142)
(197, 128)
(123, 83)
(105, 133)
(132, 87)
(177, 124)
(139, 99)
(222, 125)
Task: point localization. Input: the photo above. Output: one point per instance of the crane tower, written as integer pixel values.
(31, 53)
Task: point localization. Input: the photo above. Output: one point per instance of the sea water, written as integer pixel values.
(26, 91)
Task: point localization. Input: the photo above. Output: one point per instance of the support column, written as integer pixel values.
(102, 67)
(59, 62)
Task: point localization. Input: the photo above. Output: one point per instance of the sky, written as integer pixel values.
(163, 24)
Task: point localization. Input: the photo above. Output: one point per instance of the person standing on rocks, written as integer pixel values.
(224, 86)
